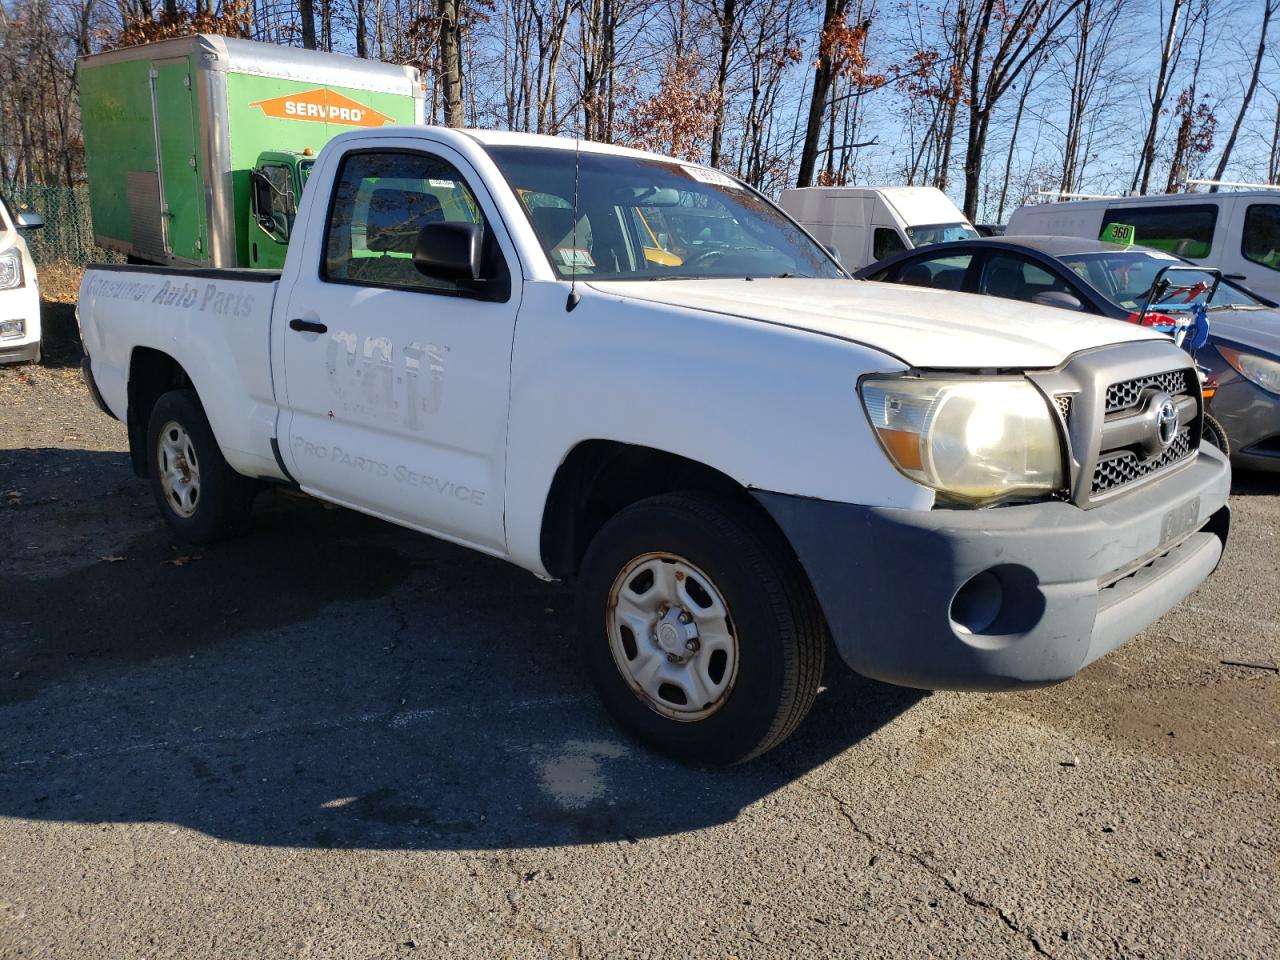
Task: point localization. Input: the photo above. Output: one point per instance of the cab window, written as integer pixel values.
(381, 202)
(885, 243)
(1017, 278)
(943, 272)
(1260, 240)
(1183, 229)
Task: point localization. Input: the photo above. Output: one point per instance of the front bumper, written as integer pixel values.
(1073, 584)
(19, 354)
(22, 303)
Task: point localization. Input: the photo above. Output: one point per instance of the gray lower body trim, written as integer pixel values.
(1060, 586)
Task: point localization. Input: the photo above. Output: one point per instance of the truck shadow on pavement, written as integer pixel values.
(328, 680)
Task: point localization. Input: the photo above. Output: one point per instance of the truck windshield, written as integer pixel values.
(1125, 276)
(648, 219)
(926, 234)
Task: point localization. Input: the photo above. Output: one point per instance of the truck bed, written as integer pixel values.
(215, 323)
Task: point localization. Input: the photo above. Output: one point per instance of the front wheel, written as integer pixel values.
(1214, 433)
(200, 497)
(698, 628)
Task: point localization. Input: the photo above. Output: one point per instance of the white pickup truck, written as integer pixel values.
(636, 372)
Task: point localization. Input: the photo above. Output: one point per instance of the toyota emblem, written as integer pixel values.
(1167, 421)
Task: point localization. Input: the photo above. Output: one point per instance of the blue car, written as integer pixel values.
(1241, 356)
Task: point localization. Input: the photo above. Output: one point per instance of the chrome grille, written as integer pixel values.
(1063, 400)
(1116, 469)
(1126, 394)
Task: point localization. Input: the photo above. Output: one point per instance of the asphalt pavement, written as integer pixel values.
(337, 738)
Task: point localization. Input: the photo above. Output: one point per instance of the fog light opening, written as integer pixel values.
(977, 604)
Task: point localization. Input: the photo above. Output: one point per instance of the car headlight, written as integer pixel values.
(9, 329)
(975, 441)
(10, 270)
(1265, 373)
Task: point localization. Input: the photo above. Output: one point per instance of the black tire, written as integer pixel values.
(776, 620)
(225, 498)
(1214, 433)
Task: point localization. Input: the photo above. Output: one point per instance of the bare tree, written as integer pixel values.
(1268, 8)
(1170, 53)
(1019, 38)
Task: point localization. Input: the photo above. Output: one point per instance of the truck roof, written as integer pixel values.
(1153, 199)
(505, 138)
(230, 54)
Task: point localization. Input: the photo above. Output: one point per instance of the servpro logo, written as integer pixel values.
(322, 106)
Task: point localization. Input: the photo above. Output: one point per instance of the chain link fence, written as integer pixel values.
(67, 235)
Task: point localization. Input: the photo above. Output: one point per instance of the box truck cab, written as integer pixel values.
(19, 296)
(275, 188)
(1238, 232)
(866, 224)
(179, 136)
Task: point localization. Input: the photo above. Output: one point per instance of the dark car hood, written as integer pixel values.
(1258, 330)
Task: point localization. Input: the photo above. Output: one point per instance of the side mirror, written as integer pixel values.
(263, 202)
(449, 251)
(1056, 298)
(26, 220)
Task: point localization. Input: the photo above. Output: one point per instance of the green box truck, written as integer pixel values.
(197, 149)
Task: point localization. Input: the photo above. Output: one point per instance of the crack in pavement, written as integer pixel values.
(936, 872)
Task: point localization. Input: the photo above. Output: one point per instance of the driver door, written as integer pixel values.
(397, 384)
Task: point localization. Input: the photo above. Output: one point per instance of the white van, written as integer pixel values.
(866, 224)
(19, 297)
(1237, 232)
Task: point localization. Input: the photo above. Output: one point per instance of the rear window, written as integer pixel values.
(1183, 229)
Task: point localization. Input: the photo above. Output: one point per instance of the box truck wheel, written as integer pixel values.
(200, 497)
(698, 628)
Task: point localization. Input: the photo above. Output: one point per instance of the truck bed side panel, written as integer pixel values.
(214, 323)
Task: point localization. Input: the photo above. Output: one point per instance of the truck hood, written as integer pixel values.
(922, 327)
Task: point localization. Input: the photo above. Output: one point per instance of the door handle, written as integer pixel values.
(307, 326)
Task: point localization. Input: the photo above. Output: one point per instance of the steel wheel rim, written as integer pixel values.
(178, 469)
(672, 636)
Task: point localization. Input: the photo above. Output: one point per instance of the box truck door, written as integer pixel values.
(181, 183)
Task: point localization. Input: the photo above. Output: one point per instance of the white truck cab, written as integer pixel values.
(637, 373)
(866, 224)
(1238, 232)
(19, 294)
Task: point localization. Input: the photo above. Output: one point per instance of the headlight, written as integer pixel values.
(1265, 373)
(10, 270)
(974, 441)
(12, 328)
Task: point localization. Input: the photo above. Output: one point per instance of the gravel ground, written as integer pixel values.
(335, 738)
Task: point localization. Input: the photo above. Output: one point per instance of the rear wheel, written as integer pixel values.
(699, 631)
(200, 497)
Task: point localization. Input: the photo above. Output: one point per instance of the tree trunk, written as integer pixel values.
(362, 33)
(979, 116)
(451, 62)
(307, 13)
(823, 74)
(1268, 8)
(728, 26)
